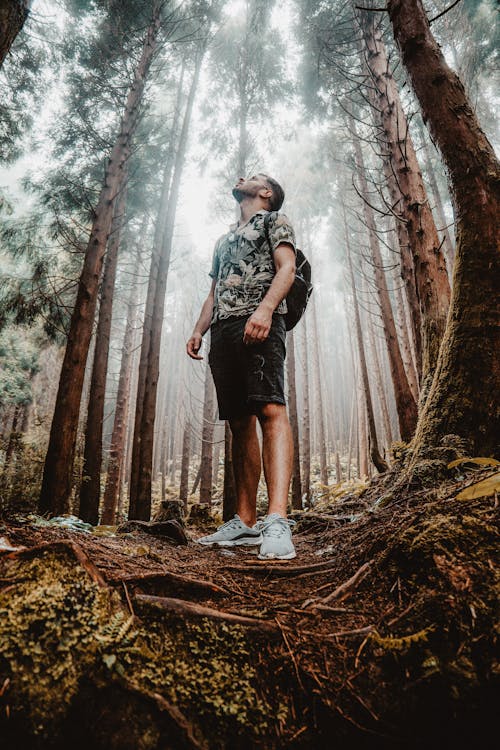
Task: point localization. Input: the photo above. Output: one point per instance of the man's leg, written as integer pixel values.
(247, 466)
(277, 454)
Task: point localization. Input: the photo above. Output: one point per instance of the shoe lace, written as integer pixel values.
(275, 527)
(232, 523)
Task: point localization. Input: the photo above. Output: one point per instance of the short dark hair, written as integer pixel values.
(278, 196)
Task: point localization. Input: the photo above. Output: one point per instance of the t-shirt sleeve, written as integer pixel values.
(281, 231)
(214, 271)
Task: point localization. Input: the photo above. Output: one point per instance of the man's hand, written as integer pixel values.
(193, 345)
(258, 326)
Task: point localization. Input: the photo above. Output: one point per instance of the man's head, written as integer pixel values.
(260, 186)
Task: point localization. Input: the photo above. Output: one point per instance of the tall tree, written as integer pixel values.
(294, 422)
(58, 469)
(409, 198)
(463, 399)
(142, 456)
(90, 491)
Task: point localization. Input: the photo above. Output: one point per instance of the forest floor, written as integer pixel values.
(381, 633)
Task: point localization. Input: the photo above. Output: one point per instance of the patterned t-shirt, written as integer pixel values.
(243, 265)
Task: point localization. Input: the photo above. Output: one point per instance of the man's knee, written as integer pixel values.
(272, 412)
(242, 425)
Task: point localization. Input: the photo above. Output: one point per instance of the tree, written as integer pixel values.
(13, 14)
(57, 477)
(463, 399)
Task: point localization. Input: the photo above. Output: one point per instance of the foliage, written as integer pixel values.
(18, 364)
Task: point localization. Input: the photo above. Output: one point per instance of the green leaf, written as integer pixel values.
(481, 489)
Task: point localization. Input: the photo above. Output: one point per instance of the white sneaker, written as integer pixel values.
(233, 533)
(276, 538)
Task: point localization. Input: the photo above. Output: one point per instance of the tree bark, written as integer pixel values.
(306, 422)
(229, 492)
(376, 457)
(58, 470)
(207, 439)
(406, 405)
(463, 399)
(186, 455)
(413, 207)
(322, 447)
(90, 490)
(142, 457)
(13, 14)
(294, 422)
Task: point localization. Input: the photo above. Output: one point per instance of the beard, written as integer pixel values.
(238, 194)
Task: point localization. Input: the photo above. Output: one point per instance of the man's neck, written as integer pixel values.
(248, 208)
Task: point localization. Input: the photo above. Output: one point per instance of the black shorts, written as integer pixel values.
(247, 376)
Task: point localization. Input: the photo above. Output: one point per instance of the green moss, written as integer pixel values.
(58, 629)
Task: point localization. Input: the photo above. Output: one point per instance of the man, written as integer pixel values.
(252, 272)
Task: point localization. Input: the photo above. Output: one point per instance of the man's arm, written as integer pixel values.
(259, 323)
(202, 325)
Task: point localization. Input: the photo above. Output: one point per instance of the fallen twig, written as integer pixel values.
(195, 585)
(342, 591)
(281, 571)
(189, 609)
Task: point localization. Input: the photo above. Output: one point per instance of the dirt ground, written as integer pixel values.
(381, 633)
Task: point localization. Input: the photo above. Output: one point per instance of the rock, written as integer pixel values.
(170, 510)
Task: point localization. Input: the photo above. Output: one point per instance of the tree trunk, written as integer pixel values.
(406, 405)
(13, 14)
(377, 371)
(323, 467)
(464, 395)
(58, 470)
(142, 457)
(229, 496)
(447, 244)
(154, 270)
(306, 423)
(90, 490)
(413, 207)
(377, 459)
(207, 439)
(294, 422)
(186, 455)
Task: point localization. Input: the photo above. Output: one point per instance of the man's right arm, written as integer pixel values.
(202, 325)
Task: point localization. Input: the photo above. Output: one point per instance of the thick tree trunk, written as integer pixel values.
(464, 395)
(413, 207)
(142, 458)
(294, 422)
(207, 439)
(405, 334)
(377, 371)
(405, 403)
(58, 470)
(13, 14)
(376, 457)
(90, 491)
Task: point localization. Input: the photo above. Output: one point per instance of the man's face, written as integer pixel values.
(249, 187)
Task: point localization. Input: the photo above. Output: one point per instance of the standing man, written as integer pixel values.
(253, 269)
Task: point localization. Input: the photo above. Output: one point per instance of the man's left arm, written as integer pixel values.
(259, 323)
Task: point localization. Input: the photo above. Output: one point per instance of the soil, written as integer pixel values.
(380, 634)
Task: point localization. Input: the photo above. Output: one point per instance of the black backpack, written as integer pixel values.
(301, 289)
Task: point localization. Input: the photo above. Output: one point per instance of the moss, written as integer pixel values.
(59, 630)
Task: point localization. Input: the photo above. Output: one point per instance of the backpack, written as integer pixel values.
(301, 289)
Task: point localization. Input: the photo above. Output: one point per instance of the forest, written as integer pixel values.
(124, 125)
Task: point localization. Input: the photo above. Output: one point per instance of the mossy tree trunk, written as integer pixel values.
(463, 399)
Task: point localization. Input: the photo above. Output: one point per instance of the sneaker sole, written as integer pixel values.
(272, 556)
(237, 543)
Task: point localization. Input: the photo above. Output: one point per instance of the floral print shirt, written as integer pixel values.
(243, 265)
